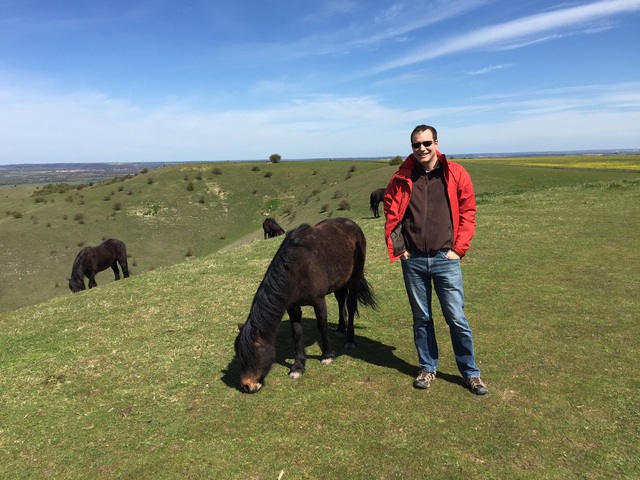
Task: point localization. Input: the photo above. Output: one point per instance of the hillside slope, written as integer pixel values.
(165, 216)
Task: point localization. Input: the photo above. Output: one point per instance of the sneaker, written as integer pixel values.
(477, 386)
(424, 379)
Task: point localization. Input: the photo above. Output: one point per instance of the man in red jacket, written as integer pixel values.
(430, 212)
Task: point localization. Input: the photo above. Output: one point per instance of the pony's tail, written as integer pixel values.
(372, 202)
(366, 296)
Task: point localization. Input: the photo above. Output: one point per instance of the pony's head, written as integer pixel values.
(256, 355)
(76, 283)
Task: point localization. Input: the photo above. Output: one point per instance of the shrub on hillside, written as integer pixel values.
(344, 204)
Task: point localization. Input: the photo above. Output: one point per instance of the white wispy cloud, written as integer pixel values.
(516, 32)
(492, 68)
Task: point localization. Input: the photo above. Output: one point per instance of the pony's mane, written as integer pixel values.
(270, 300)
(76, 270)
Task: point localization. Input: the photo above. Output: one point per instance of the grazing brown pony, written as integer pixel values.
(311, 263)
(92, 260)
(271, 228)
(374, 201)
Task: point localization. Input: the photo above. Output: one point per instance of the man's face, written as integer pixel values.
(427, 156)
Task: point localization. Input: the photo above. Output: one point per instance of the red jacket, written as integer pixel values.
(461, 199)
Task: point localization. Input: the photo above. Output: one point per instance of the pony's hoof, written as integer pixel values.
(295, 375)
(350, 345)
(326, 361)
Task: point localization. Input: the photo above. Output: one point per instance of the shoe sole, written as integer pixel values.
(480, 392)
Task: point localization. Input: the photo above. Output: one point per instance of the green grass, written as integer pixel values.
(161, 222)
(137, 379)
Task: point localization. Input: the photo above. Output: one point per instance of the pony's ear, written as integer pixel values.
(240, 326)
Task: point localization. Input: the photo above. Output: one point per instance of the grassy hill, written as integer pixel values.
(165, 216)
(173, 214)
(137, 379)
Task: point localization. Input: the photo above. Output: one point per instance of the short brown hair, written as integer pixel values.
(422, 128)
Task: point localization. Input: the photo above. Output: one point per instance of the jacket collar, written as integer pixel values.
(410, 162)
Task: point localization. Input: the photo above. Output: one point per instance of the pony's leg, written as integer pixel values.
(124, 266)
(352, 307)
(298, 368)
(116, 272)
(341, 297)
(92, 280)
(320, 310)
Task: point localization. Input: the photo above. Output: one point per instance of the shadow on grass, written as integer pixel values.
(367, 350)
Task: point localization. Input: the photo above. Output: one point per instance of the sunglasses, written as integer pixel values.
(426, 144)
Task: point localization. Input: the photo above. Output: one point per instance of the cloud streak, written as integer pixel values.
(521, 31)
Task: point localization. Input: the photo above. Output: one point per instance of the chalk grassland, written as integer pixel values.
(137, 379)
(164, 216)
(178, 213)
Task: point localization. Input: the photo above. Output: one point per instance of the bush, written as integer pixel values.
(397, 160)
(275, 158)
(344, 204)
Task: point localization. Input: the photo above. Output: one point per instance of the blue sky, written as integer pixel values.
(173, 80)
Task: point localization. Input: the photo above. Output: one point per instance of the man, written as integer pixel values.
(430, 211)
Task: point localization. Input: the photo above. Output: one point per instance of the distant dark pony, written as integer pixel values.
(271, 228)
(92, 260)
(311, 263)
(374, 201)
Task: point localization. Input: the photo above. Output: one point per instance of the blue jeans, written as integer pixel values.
(419, 271)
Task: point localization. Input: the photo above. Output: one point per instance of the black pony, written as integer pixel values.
(311, 263)
(92, 260)
(374, 201)
(271, 228)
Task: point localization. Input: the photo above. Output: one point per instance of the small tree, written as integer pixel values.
(275, 158)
